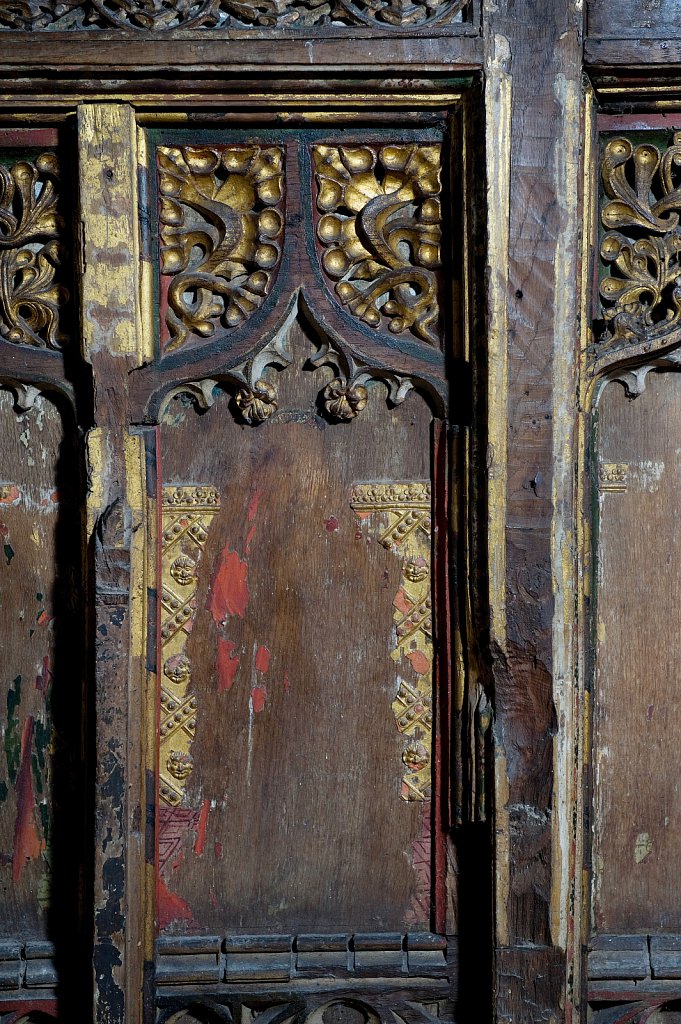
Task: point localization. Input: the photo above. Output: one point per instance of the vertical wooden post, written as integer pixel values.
(534, 112)
(110, 325)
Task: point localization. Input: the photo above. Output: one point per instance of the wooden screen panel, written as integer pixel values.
(637, 714)
(634, 19)
(40, 715)
(301, 808)
(296, 768)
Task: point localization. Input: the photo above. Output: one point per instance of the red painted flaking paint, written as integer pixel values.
(258, 698)
(26, 841)
(419, 662)
(331, 524)
(44, 678)
(201, 827)
(171, 907)
(401, 602)
(262, 659)
(226, 664)
(253, 506)
(249, 539)
(287, 684)
(229, 588)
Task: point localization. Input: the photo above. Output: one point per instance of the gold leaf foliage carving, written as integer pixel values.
(640, 288)
(30, 253)
(380, 229)
(343, 401)
(221, 212)
(399, 514)
(186, 516)
(166, 15)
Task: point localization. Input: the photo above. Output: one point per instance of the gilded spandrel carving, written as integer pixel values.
(640, 286)
(187, 513)
(399, 515)
(30, 253)
(165, 15)
(221, 212)
(380, 230)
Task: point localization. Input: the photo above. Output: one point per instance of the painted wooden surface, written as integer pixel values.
(297, 758)
(637, 711)
(634, 19)
(41, 767)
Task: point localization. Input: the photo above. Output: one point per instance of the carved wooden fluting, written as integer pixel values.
(400, 515)
(164, 15)
(640, 285)
(222, 224)
(186, 517)
(380, 228)
(30, 253)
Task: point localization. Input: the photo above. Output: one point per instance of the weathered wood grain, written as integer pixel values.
(633, 19)
(297, 716)
(637, 714)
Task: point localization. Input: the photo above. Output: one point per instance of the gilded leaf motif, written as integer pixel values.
(30, 253)
(641, 289)
(221, 228)
(380, 230)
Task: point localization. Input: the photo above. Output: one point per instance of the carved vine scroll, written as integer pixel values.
(640, 287)
(380, 229)
(30, 253)
(222, 223)
(165, 15)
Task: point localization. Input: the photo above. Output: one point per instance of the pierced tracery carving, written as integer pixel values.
(380, 228)
(640, 288)
(222, 221)
(30, 252)
(165, 15)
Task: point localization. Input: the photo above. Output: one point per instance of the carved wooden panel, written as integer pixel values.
(635, 844)
(637, 712)
(299, 381)
(166, 15)
(42, 653)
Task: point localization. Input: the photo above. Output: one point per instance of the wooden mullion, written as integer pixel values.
(115, 515)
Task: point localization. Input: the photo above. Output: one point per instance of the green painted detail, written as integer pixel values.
(9, 552)
(45, 821)
(37, 774)
(3, 792)
(41, 737)
(13, 732)
(44, 891)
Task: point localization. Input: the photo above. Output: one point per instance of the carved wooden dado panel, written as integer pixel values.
(266, 319)
(299, 383)
(42, 789)
(635, 919)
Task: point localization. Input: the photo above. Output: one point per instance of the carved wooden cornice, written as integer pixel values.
(166, 15)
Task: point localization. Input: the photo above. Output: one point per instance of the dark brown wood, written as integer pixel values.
(636, 708)
(633, 19)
